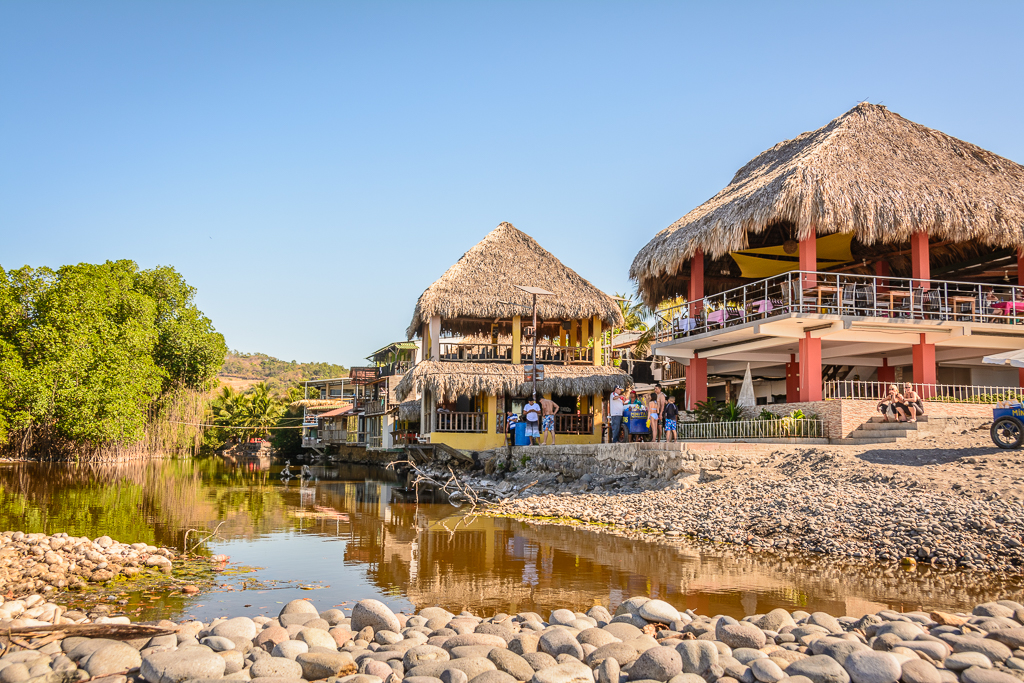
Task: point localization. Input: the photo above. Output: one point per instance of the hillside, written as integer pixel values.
(242, 370)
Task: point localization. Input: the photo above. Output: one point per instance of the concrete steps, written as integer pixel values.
(877, 430)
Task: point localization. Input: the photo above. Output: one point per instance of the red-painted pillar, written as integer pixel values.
(810, 368)
(882, 271)
(1020, 378)
(696, 381)
(924, 367)
(809, 259)
(886, 374)
(919, 260)
(696, 287)
(1020, 267)
(792, 380)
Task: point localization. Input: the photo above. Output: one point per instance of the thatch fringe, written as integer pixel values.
(870, 172)
(409, 411)
(320, 403)
(486, 275)
(448, 381)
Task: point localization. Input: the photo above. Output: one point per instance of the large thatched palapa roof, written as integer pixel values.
(869, 172)
(468, 296)
(448, 381)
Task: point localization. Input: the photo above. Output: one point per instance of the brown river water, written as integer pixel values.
(355, 533)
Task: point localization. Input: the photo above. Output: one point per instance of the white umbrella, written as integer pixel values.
(1011, 358)
(747, 399)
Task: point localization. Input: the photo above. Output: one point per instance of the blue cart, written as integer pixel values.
(637, 423)
(1008, 424)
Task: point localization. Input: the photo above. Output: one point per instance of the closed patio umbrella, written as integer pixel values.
(746, 399)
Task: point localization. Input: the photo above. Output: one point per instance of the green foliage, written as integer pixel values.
(713, 410)
(635, 316)
(86, 352)
(256, 413)
(279, 375)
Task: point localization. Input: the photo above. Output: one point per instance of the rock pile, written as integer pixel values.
(41, 563)
(646, 641)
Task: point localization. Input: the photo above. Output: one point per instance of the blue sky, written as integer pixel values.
(311, 167)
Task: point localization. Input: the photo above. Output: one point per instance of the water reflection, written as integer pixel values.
(356, 532)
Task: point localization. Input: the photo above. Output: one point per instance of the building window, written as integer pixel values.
(335, 393)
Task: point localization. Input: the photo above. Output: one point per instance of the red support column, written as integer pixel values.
(1020, 378)
(886, 374)
(882, 271)
(810, 368)
(1020, 267)
(696, 381)
(792, 380)
(919, 260)
(924, 367)
(809, 259)
(696, 287)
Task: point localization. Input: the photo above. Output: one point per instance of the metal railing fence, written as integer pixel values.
(937, 393)
(812, 292)
(782, 428)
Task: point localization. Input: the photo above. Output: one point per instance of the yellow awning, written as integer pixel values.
(832, 250)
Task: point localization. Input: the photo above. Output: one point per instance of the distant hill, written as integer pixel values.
(242, 370)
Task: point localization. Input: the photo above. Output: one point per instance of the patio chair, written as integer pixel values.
(848, 299)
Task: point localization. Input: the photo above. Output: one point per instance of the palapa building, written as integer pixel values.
(869, 251)
(475, 327)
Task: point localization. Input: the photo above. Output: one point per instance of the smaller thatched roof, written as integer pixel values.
(321, 403)
(451, 380)
(869, 172)
(468, 296)
(409, 411)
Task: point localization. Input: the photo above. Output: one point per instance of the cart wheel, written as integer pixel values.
(1007, 432)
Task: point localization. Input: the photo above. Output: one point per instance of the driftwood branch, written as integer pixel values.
(111, 631)
(184, 547)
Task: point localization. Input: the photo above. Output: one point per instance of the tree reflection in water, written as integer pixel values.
(432, 554)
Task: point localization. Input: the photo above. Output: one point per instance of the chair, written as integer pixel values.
(848, 298)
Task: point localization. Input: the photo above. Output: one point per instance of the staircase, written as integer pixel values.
(876, 430)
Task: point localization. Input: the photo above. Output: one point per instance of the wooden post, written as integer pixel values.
(810, 368)
(924, 367)
(919, 261)
(696, 381)
(517, 340)
(695, 288)
(561, 336)
(584, 332)
(792, 380)
(435, 337)
(598, 415)
(572, 333)
(598, 341)
(809, 259)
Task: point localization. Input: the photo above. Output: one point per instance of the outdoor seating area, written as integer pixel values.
(821, 293)
(502, 353)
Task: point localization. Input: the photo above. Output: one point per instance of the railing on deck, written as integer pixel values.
(869, 296)
(937, 393)
(782, 428)
(355, 437)
(333, 435)
(574, 424)
(373, 442)
(404, 438)
(461, 422)
(502, 353)
(375, 406)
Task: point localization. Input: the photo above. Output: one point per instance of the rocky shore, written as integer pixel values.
(646, 641)
(41, 563)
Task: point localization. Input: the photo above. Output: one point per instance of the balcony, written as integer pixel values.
(502, 353)
(839, 294)
(396, 368)
(376, 406)
(460, 422)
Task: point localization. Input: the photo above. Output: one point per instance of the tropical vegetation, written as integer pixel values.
(255, 413)
(102, 358)
(277, 374)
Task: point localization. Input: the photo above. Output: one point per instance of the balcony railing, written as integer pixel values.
(461, 422)
(841, 294)
(353, 437)
(502, 353)
(376, 406)
(782, 428)
(374, 442)
(397, 368)
(936, 393)
(574, 424)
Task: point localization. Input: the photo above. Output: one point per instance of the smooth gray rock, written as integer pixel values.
(622, 631)
(622, 653)
(471, 666)
(568, 672)
(524, 642)
(493, 677)
(631, 606)
(239, 627)
(775, 620)
(740, 635)
(658, 611)
(540, 660)
(993, 649)
(299, 607)
(658, 663)
(376, 615)
(825, 620)
(960, 661)
(820, 669)
(600, 613)
(112, 658)
(314, 637)
(421, 654)
(976, 674)
(289, 649)
(743, 655)
(1011, 637)
(317, 665)
(609, 671)
(766, 671)
(697, 656)
(563, 617)
(218, 643)
(560, 641)
(275, 667)
(179, 665)
(935, 650)
(511, 663)
(596, 637)
(454, 676)
(685, 678)
(919, 671)
(870, 666)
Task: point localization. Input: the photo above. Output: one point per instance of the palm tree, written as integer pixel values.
(261, 411)
(636, 316)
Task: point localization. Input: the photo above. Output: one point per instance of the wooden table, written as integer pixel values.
(900, 294)
(821, 289)
(957, 300)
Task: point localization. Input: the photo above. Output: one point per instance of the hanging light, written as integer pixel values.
(1006, 276)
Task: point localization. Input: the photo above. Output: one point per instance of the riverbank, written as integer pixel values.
(954, 501)
(646, 640)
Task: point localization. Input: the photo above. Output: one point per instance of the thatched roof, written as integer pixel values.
(321, 403)
(409, 411)
(869, 172)
(467, 297)
(451, 380)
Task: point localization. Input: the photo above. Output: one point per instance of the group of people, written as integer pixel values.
(662, 413)
(539, 417)
(904, 407)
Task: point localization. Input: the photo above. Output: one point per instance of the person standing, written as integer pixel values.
(548, 409)
(662, 400)
(671, 418)
(532, 413)
(616, 407)
(511, 420)
(652, 416)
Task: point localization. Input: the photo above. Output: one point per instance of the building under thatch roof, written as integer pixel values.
(409, 411)
(869, 172)
(448, 381)
(480, 288)
(321, 403)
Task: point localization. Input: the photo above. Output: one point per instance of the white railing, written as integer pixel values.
(810, 292)
(782, 428)
(374, 442)
(937, 393)
(461, 422)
